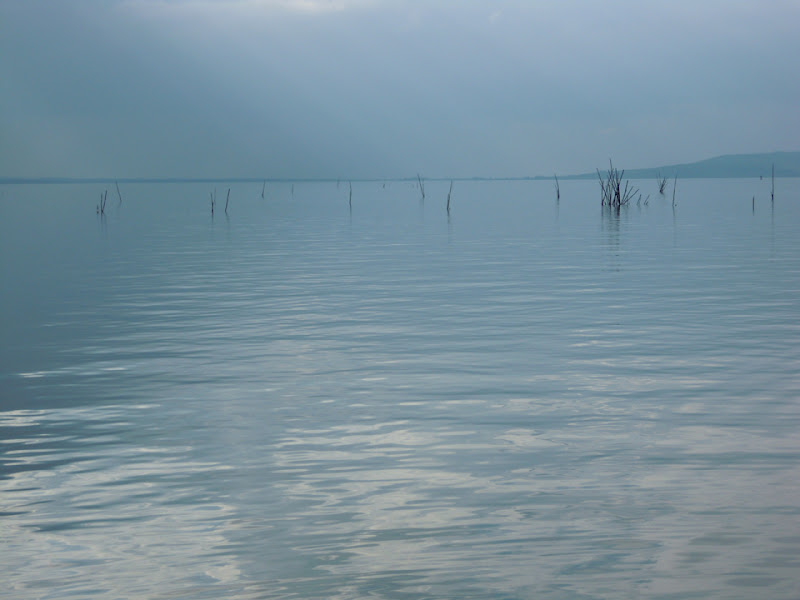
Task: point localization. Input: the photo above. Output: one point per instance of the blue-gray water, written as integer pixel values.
(527, 399)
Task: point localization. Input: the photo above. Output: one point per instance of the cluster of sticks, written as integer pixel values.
(611, 191)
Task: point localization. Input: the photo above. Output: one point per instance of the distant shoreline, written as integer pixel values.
(729, 166)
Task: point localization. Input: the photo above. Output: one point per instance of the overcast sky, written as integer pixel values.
(370, 88)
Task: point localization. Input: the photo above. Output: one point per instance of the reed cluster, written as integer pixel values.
(612, 191)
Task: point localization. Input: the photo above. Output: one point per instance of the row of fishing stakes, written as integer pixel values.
(611, 193)
(101, 208)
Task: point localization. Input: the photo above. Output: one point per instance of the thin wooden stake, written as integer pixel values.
(450, 191)
(674, 186)
(773, 183)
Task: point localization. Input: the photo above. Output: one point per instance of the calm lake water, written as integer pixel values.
(525, 399)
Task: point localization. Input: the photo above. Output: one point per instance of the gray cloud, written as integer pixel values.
(360, 88)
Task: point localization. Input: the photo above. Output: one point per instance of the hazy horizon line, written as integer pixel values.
(251, 179)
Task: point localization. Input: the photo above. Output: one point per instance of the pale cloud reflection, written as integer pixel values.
(108, 511)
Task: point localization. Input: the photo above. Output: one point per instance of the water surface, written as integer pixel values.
(522, 399)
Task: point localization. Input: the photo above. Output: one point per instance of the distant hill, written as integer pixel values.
(787, 164)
